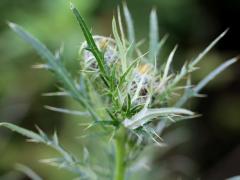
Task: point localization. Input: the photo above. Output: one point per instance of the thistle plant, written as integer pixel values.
(128, 94)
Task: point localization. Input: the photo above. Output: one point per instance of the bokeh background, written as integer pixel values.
(207, 147)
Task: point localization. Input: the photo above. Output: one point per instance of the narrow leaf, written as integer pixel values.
(191, 92)
(209, 47)
(169, 61)
(61, 73)
(28, 171)
(153, 36)
(213, 74)
(91, 43)
(56, 94)
(147, 115)
(67, 111)
(129, 22)
(27, 133)
(119, 44)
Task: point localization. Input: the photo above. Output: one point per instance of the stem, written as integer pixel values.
(120, 152)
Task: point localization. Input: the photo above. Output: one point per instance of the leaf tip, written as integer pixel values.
(224, 32)
(154, 11)
(237, 58)
(11, 25)
(71, 5)
(234, 60)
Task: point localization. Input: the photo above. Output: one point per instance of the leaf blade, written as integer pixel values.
(91, 43)
(153, 36)
(23, 131)
(61, 73)
(213, 74)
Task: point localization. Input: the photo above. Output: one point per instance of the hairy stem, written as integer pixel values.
(120, 154)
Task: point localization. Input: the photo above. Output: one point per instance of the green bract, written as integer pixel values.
(124, 91)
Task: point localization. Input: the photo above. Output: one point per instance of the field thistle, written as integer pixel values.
(135, 91)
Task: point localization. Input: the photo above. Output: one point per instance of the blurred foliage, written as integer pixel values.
(191, 23)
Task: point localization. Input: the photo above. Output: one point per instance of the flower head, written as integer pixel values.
(106, 45)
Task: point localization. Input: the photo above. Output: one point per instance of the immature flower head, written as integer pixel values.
(106, 45)
(142, 80)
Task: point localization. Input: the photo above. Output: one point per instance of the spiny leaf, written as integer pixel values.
(42, 66)
(209, 47)
(27, 133)
(91, 43)
(123, 77)
(61, 73)
(36, 44)
(38, 138)
(191, 67)
(192, 92)
(28, 171)
(153, 36)
(213, 74)
(131, 67)
(63, 164)
(146, 115)
(129, 22)
(119, 44)
(169, 61)
(56, 94)
(67, 111)
(121, 27)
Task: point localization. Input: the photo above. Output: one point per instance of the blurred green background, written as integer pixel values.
(207, 147)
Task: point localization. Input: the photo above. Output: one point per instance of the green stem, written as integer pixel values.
(120, 153)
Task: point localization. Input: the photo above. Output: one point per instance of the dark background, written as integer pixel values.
(210, 146)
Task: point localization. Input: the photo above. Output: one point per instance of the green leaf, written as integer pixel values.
(169, 61)
(121, 27)
(91, 43)
(129, 22)
(123, 77)
(153, 36)
(213, 74)
(27, 133)
(191, 92)
(68, 159)
(36, 44)
(28, 171)
(113, 79)
(129, 103)
(67, 111)
(61, 73)
(147, 115)
(208, 48)
(120, 45)
(191, 67)
(188, 68)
